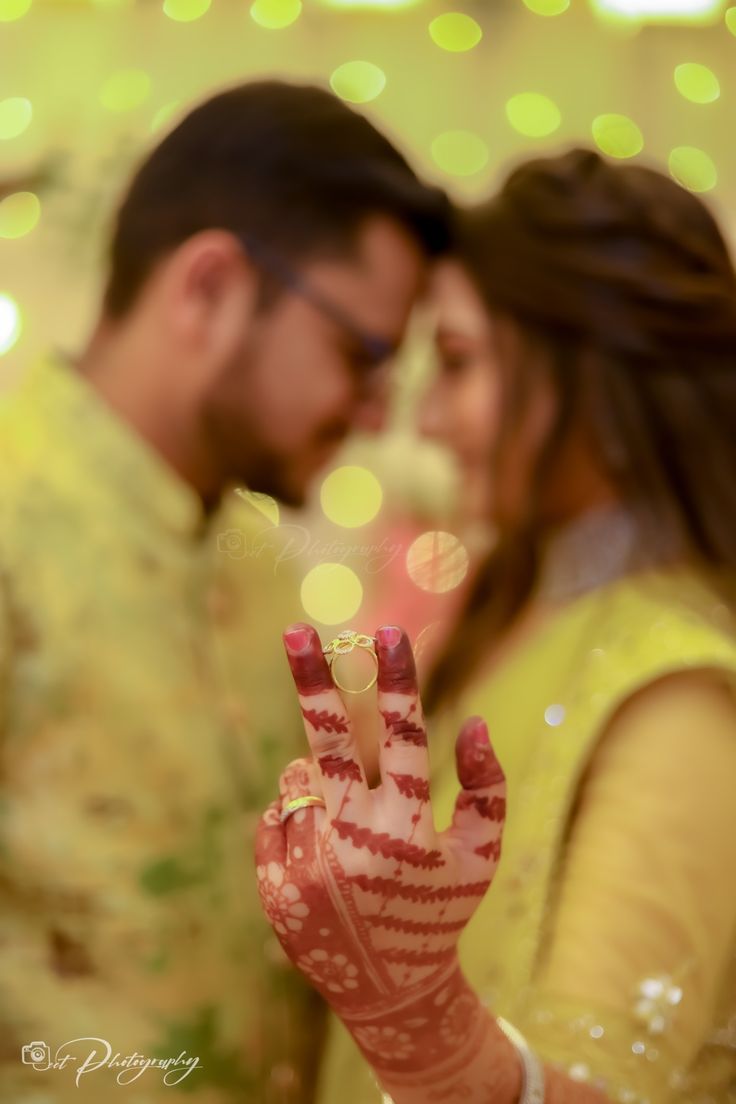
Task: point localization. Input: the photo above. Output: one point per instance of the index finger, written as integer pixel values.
(326, 722)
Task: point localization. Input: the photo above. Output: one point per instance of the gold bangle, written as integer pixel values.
(532, 1071)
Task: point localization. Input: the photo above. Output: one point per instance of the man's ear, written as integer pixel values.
(211, 288)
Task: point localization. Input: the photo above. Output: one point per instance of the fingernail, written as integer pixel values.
(477, 765)
(297, 639)
(307, 663)
(396, 667)
(388, 636)
(478, 731)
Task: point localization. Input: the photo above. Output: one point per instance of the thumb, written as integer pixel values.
(480, 809)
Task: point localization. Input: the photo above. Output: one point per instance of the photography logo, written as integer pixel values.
(36, 1054)
(87, 1055)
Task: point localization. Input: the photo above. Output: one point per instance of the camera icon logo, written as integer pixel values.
(36, 1054)
(232, 543)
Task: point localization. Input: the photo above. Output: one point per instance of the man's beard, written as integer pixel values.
(246, 458)
(268, 475)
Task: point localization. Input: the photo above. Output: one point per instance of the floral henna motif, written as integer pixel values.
(324, 721)
(336, 767)
(381, 843)
(385, 1042)
(281, 900)
(410, 786)
(332, 972)
(402, 729)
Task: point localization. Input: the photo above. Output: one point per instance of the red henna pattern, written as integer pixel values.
(452, 1093)
(394, 979)
(335, 767)
(419, 958)
(403, 729)
(416, 927)
(330, 722)
(493, 808)
(410, 786)
(420, 894)
(491, 850)
(389, 846)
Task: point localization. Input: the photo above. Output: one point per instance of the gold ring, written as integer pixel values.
(298, 803)
(342, 645)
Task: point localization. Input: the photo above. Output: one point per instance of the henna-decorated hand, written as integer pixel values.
(365, 896)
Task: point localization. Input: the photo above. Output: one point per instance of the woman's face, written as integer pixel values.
(463, 407)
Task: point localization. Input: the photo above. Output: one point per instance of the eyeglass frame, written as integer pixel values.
(376, 349)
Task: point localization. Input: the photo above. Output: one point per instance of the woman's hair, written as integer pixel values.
(625, 282)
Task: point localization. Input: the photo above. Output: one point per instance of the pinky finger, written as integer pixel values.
(480, 809)
(270, 837)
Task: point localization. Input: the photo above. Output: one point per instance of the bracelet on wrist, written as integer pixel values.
(532, 1071)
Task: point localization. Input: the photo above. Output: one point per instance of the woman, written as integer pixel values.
(587, 340)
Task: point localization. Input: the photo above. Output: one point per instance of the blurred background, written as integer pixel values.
(468, 89)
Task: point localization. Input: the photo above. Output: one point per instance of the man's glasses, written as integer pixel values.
(373, 349)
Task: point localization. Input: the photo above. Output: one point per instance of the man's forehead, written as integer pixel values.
(383, 274)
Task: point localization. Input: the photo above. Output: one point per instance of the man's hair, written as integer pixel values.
(289, 165)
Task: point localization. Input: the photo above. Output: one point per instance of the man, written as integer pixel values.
(263, 266)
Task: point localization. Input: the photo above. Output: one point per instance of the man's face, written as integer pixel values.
(283, 403)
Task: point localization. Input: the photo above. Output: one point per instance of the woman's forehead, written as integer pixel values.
(454, 302)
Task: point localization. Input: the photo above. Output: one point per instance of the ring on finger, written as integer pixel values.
(343, 644)
(306, 801)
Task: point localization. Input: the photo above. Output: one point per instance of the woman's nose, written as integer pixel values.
(430, 418)
(371, 413)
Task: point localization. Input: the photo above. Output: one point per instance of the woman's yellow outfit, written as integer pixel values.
(609, 934)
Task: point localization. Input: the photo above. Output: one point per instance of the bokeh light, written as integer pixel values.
(266, 505)
(13, 9)
(125, 90)
(547, 7)
(19, 214)
(554, 715)
(697, 82)
(731, 20)
(351, 496)
(366, 5)
(617, 135)
(437, 562)
(164, 115)
(533, 114)
(693, 168)
(657, 11)
(11, 322)
(455, 32)
(186, 11)
(16, 114)
(274, 15)
(459, 152)
(358, 81)
(331, 593)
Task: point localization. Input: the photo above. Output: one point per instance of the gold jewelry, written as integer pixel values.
(343, 644)
(297, 803)
(532, 1088)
